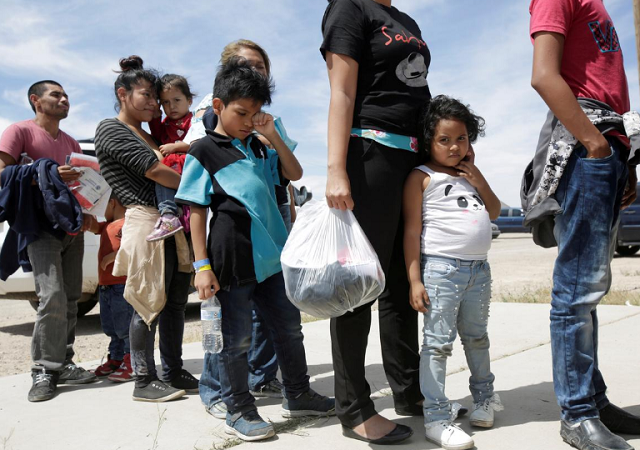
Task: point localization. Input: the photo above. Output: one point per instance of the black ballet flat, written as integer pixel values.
(398, 434)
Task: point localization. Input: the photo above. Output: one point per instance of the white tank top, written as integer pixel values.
(455, 222)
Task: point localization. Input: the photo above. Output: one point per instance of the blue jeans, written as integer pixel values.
(57, 273)
(115, 317)
(170, 324)
(590, 193)
(165, 197)
(283, 321)
(459, 294)
(263, 364)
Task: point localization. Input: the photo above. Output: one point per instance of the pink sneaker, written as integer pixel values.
(124, 373)
(167, 225)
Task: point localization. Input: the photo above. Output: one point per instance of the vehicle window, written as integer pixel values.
(504, 212)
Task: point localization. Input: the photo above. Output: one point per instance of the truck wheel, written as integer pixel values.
(627, 250)
(86, 303)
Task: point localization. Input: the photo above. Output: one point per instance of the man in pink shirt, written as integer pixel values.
(577, 63)
(57, 263)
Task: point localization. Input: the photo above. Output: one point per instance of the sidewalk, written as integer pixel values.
(102, 416)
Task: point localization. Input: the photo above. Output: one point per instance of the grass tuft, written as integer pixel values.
(543, 295)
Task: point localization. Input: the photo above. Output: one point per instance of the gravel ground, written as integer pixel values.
(518, 266)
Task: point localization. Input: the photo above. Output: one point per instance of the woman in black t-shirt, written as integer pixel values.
(377, 63)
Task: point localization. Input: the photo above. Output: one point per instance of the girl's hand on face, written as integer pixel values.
(206, 283)
(470, 156)
(263, 124)
(338, 191)
(471, 173)
(418, 297)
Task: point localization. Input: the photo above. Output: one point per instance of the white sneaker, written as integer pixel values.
(448, 435)
(482, 415)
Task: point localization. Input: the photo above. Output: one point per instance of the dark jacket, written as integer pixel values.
(30, 210)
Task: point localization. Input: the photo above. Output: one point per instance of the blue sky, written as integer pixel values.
(481, 53)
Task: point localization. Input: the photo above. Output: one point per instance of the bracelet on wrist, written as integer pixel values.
(204, 268)
(201, 263)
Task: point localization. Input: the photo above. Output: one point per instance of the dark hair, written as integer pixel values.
(131, 73)
(443, 107)
(177, 81)
(237, 79)
(39, 88)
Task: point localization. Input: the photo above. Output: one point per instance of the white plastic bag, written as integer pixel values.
(329, 265)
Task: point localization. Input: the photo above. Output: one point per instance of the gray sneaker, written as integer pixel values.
(218, 410)
(273, 389)
(72, 374)
(249, 426)
(308, 403)
(156, 392)
(44, 385)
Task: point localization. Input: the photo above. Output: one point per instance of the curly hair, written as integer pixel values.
(444, 107)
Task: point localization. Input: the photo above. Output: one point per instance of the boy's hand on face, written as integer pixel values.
(263, 123)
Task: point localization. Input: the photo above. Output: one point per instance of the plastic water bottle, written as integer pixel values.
(25, 159)
(211, 316)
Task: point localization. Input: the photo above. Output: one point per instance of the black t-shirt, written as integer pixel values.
(393, 62)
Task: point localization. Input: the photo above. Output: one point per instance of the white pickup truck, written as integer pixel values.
(20, 285)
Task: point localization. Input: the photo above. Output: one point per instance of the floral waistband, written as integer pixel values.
(408, 143)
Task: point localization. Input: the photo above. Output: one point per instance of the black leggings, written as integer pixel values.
(377, 174)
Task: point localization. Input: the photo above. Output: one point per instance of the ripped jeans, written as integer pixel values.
(459, 294)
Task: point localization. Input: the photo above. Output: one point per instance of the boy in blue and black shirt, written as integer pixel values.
(231, 172)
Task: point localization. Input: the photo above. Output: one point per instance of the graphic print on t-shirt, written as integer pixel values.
(465, 201)
(412, 70)
(607, 40)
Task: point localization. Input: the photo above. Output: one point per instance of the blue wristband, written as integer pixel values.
(201, 263)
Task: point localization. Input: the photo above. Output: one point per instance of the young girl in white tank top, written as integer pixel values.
(448, 206)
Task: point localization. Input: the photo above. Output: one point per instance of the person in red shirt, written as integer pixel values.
(577, 60)
(115, 312)
(56, 260)
(175, 98)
